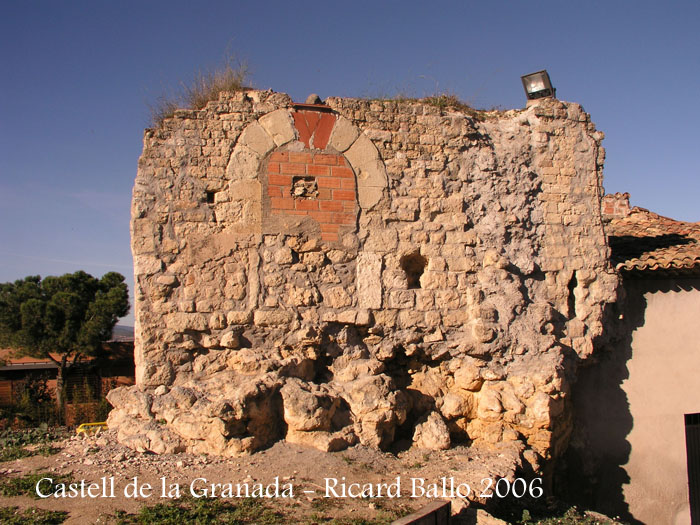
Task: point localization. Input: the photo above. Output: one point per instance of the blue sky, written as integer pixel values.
(77, 78)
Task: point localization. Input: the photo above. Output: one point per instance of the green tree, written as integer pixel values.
(62, 318)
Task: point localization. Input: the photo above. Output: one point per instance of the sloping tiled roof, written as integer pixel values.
(7, 355)
(642, 241)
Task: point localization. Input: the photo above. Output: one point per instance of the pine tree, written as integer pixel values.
(63, 319)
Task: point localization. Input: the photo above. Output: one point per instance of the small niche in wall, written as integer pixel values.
(210, 197)
(571, 303)
(304, 188)
(413, 266)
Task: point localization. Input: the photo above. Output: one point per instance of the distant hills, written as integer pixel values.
(123, 333)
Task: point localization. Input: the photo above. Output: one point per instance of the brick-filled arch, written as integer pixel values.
(319, 185)
(307, 142)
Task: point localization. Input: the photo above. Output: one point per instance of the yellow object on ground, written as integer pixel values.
(91, 428)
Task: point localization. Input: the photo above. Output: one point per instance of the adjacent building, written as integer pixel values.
(637, 437)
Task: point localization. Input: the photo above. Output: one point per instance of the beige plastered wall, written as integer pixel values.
(663, 385)
(629, 437)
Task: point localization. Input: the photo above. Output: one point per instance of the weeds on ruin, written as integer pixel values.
(444, 102)
(451, 102)
(448, 101)
(31, 516)
(206, 86)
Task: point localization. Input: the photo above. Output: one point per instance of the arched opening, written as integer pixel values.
(413, 266)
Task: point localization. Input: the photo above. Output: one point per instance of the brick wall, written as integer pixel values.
(616, 205)
(318, 185)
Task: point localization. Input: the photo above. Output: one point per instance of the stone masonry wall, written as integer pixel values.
(363, 271)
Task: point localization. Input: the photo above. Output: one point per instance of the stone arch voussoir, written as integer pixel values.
(277, 128)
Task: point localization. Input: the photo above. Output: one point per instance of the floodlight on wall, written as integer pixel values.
(538, 85)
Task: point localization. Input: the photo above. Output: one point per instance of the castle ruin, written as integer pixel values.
(363, 271)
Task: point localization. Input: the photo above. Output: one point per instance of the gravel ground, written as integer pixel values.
(301, 472)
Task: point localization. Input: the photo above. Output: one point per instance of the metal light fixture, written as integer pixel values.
(538, 85)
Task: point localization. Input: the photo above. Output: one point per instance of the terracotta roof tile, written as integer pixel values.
(643, 241)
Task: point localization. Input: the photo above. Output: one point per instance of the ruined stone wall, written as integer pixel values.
(363, 271)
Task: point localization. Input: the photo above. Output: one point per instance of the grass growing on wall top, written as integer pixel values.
(205, 87)
(450, 101)
(445, 101)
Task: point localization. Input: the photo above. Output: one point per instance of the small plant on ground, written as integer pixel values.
(204, 510)
(384, 516)
(12, 453)
(322, 504)
(348, 460)
(552, 513)
(26, 485)
(382, 520)
(572, 516)
(246, 511)
(31, 516)
(16, 444)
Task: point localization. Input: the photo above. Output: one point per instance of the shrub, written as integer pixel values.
(102, 410)
(85, 406)
(448, 100)
(32, 405)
